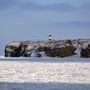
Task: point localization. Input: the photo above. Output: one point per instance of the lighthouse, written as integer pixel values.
(50, 37)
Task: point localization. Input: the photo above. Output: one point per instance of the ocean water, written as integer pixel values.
(44, 73)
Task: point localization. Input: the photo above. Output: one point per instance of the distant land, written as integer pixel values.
(51, 48)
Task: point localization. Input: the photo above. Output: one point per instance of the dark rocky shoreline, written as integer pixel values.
(53, 48)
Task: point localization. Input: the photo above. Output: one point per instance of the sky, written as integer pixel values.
(35, 19)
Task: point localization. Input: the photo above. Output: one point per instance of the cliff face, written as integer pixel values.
(86, 52)
(61, 48)
(16, 49)
(57, 52)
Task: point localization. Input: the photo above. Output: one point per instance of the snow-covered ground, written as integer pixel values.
(44, 73)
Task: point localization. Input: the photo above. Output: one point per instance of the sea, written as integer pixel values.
(44, 73)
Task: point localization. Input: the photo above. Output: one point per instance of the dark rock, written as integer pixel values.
(60, 48)
(58, 52)
(15, 51)
(86, 52)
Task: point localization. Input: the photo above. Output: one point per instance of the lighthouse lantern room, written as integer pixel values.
(50, 37)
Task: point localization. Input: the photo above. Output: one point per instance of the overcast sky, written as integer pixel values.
(36, 19)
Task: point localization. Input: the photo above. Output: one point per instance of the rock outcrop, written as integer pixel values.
(85, 52)
(60, 48)
(16, 49)
(58, 52)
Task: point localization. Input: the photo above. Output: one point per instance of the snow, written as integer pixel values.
(15, 44)
(44, 74)
(78, 51)
(42, 54)
(85, 45)
(29, 47)
(2, 56)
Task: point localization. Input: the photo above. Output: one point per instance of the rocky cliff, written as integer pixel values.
(60, 48)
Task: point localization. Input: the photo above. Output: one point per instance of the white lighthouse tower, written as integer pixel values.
(50, 37)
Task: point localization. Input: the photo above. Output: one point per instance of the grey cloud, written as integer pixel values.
(26, 6)
(62, 7)
(72, 24)
(54, 7)
(4, 4)
(86, 6)
(30, 6)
